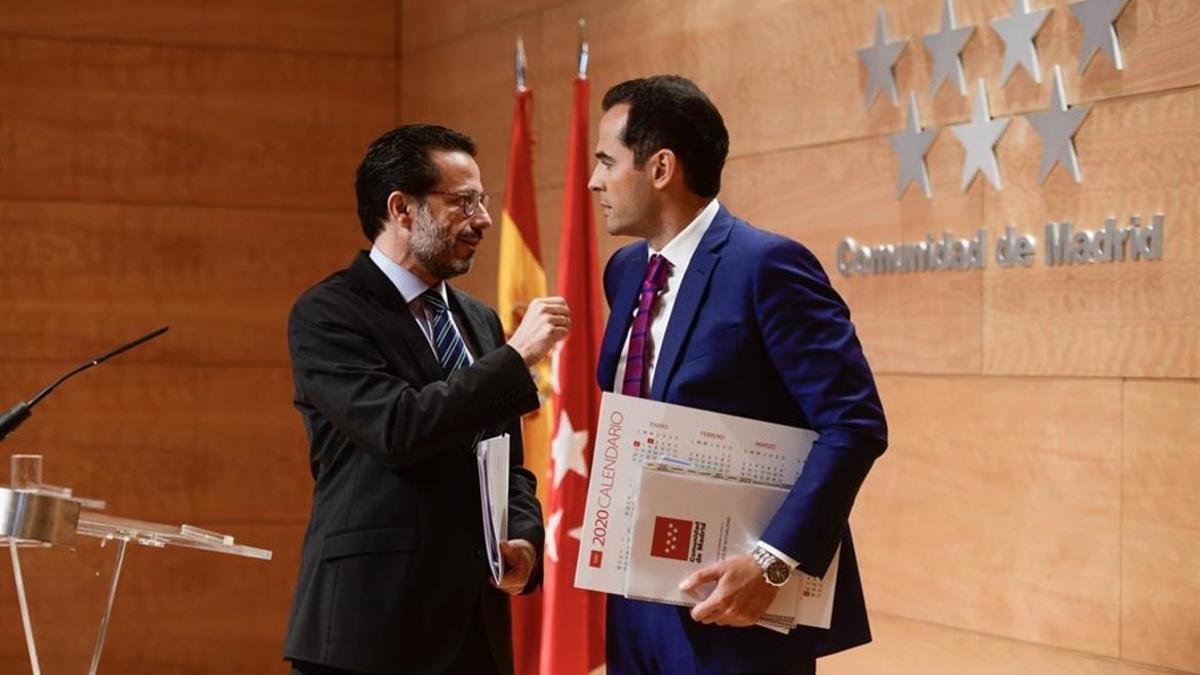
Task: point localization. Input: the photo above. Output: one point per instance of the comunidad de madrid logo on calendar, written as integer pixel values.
(678, 539)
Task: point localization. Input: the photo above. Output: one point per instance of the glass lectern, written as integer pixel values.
(36, 515)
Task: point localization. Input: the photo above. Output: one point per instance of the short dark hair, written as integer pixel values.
(400, 161)
(670, 112)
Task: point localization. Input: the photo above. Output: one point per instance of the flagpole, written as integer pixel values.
(520, 64)
(583, 49)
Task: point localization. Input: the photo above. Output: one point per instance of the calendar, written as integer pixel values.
(686, 520)
(635, 432)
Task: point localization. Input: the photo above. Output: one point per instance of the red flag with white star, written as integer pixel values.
(573, 620)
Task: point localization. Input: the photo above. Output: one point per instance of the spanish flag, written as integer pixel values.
(523, 278)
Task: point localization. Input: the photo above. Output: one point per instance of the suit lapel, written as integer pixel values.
(367, 277)
(474, 323)
(687, 304)
(628, 280)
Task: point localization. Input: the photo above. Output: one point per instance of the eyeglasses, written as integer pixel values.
(469, 201)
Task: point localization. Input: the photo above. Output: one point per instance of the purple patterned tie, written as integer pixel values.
(637, 361)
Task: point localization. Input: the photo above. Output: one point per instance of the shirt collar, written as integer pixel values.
(679, 250)
(410, 286)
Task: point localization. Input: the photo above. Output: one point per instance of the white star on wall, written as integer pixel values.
(1097, 17)
(945, 46)
(879, 59)
(1018, 31)
(1057, 127)
(978, 138)
(910, 146)
(567, 449)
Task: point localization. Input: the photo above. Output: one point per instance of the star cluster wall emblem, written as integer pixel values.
(1056, 126)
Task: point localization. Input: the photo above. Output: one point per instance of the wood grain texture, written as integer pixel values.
(906, 647)
(428, 23)
(626, 39)
(165, 125)
(169, 443)
(996, 508)
(170, 164)
(1154, 35)
(928, 322)
(1160, 524)
(81, 279)
(796, 79)
(178, 611)
(1133, 319)
(356, 27)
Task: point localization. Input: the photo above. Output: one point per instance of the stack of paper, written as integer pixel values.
(745, 467)
(686, 520)
(492, 457)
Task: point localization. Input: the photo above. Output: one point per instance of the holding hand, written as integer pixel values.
(520, 557)
(741, 597)
(544, 325)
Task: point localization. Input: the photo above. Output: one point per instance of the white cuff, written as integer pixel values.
(778, 554)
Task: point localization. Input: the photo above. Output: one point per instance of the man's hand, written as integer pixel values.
(545, 324)
(741, 597)
(520, 557)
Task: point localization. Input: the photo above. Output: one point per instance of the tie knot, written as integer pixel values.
(434, 300)
(656, 272)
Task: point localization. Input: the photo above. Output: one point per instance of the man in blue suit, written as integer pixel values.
(710, 312)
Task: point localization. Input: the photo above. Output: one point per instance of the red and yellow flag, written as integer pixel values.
(523, 278)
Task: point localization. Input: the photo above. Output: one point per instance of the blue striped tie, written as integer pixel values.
(449, 345)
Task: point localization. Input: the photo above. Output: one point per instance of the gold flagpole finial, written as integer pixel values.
(520, 63)
(583, 48)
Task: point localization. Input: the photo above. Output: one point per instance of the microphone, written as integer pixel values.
(20, 412)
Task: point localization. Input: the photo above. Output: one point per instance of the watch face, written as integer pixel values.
(778, 573)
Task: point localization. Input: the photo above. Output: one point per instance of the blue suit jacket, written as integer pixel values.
(757, 331)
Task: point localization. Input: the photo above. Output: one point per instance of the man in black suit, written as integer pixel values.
(398, 376)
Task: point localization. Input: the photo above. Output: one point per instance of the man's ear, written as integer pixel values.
(399, 208)
(662, 167)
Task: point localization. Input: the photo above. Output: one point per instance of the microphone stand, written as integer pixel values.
(20, 412)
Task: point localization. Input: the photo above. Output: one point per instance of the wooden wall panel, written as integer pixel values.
(170, 164)
(821, 195)
(1155, 37)
(104, 122)
(1160, 524)
(357, 27)
(1139, 156)
(177, 610)
(785, 74)
(168, 442)
(83, 278)
(627, 39)
(427, 24)
(907, 647)
(996, 508)
(796, 79)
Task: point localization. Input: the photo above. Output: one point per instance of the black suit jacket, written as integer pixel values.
(392, 568)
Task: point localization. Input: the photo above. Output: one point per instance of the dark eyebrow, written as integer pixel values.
(603, 156)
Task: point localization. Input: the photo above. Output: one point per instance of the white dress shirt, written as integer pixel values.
(411, 288)
(678, 252)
